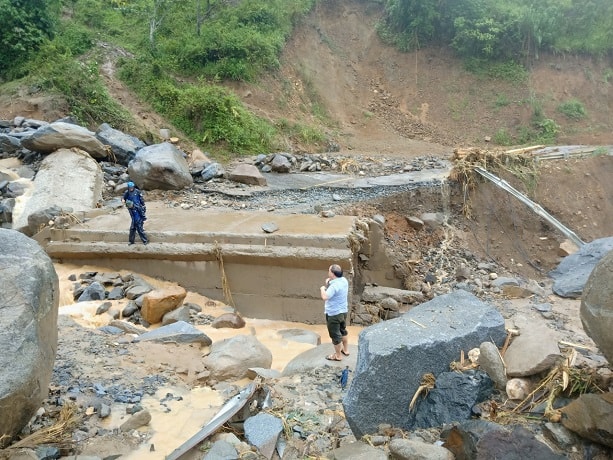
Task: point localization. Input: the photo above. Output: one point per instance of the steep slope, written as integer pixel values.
(337, 73)
(371, 99)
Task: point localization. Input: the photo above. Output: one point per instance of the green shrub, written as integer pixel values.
(499, 70)
(56, 70)
(236, 53)
(600, 151)
(210, 115)
(573, 109)
(547, 130)
(301, 133)
(501, 101)
(502, 137)
(74, 38)
(24, 28)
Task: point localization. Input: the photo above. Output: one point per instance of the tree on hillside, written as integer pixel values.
(157, 12)
(414, 20)
(24, 26)
(203, 12)
(501, 29)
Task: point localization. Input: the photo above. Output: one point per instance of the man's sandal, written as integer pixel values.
(332, 358)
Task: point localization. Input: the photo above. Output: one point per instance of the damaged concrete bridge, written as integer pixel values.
(227, 255)
(268, 275)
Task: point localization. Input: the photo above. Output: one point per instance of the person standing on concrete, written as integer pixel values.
(335, 293)
(135, 203)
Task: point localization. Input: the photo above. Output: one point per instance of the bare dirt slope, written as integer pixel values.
(336, 73)
(375, 99)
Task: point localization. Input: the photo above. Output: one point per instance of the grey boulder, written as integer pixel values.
(394, 355)
(59, 134)
(29, 301)
(572, 273)
(597, 306)
(160, 166)
(123, 146)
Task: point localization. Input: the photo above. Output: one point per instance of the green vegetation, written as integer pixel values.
(600, 151)
(56, 71)
(573, 109)
(180, 52)
(508, 71)
(501, 101)
(25, 25)
(501, 30)
(502, 137)
(209, 114)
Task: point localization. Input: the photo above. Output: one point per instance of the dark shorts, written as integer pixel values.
(337, 327)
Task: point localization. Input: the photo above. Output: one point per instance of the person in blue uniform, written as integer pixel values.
(135, 203)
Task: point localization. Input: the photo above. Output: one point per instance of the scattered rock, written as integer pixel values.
(491, 362)
(407, 449)
(534, 350)
(591, 416)
(229, 320)
(137, 420)
(179, 332)
(263, 430)
(161, 301)
(518, 389)
(232, 358)
(247, 174)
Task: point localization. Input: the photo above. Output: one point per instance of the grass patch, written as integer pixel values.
(502, 137)
(510, 71)
(300, 133)
(501, 101)
(459, 108)
(209, 114)
(572, 109)
(55, 70)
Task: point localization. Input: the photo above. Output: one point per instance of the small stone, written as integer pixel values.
(270, 227)
(518, 389)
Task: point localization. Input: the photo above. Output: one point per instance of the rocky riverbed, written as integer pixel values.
(110, 381)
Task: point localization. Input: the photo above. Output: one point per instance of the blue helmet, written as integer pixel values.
(130, 184)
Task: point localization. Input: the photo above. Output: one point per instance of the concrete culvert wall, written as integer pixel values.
(273, 276)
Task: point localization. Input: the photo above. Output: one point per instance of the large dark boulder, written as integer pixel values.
(123, 146)
(394, 355)
(452, 398)
(482, 440)
(29, 300)
(597, 306)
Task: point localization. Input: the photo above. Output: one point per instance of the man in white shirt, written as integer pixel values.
(335, 293)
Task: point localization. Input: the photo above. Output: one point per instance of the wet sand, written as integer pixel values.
(198, 404)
